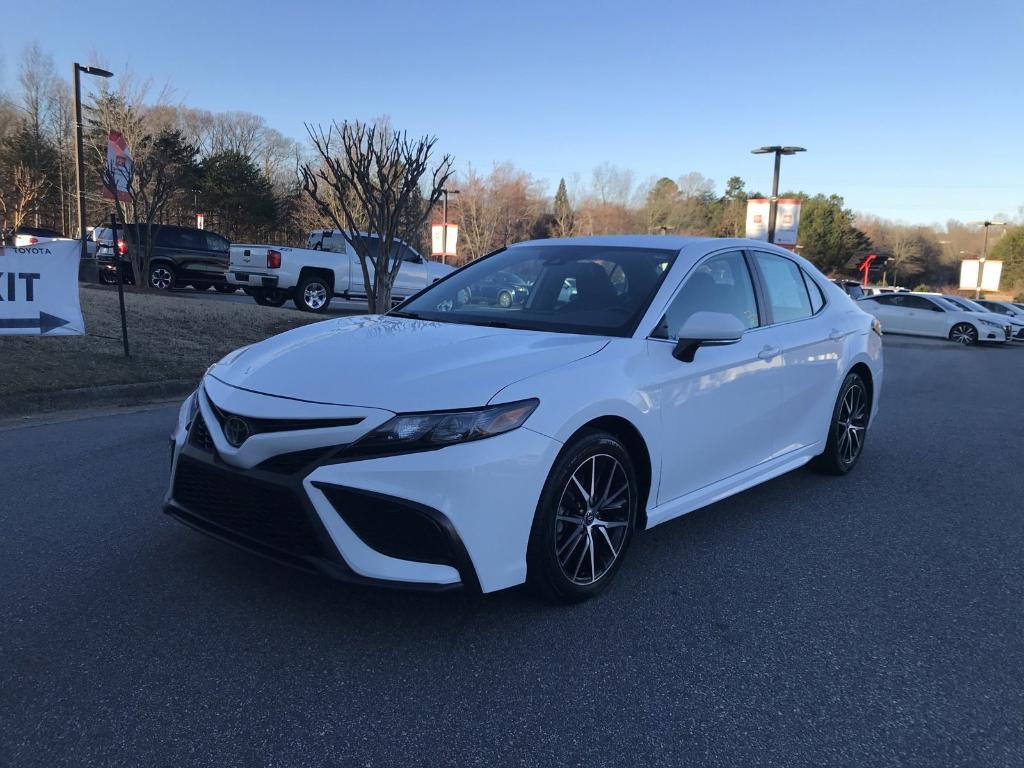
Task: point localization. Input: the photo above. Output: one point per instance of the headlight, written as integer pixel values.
(990, 323)
(423, 431)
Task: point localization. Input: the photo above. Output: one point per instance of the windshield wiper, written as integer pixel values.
(410, 315)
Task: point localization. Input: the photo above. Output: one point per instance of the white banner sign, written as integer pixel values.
(39, 289)
(441, 244)
(989, 276)
(758, 209)
(787, 220)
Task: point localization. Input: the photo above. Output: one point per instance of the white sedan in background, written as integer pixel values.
(916, 314)
(452, 443)
(1016, 323)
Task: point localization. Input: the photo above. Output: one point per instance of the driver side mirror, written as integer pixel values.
(706, 329)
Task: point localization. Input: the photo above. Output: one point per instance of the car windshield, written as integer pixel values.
(946, 303)
(588, 289)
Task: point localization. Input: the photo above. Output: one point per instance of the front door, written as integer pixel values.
(719, 411)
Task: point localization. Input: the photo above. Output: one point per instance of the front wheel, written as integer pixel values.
(505, 299)
(847, 429)
(161, 277)
(964, 333)
(584, 521)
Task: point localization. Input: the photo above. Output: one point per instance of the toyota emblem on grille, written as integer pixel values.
(236, 430)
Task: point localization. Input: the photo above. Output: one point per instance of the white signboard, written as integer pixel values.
(443, 245)
(39, 289)
(990, 275)
(758, 209)
(787, 220)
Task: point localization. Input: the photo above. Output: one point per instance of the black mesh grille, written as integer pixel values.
(199, 434)
(264, 513)
(290, 463)
(390, 526)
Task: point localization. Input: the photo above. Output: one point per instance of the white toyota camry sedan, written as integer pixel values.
(457, 441)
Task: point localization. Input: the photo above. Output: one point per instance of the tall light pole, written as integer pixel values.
(773, 205)
(79, 159)
(444, 224)
(984, 251)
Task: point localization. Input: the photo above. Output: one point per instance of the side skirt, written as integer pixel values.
(741, 481)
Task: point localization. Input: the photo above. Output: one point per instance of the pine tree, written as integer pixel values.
(563, 223)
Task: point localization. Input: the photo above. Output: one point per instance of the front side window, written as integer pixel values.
(719, 284)
(784, 285)
(919, 302)
(589, 289)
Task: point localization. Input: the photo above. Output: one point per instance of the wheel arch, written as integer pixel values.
(322, 272)
(628, 434)
(864, 371)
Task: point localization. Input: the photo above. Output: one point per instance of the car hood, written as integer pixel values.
(398, 364)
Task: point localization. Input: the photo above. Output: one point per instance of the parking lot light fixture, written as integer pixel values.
(773, 206)
(77, 71)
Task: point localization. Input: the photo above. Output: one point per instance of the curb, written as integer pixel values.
(76, 399)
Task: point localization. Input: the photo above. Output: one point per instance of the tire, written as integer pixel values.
(313, 294)
(559, 562)
(270, 297)
(161, 276)
(847, 429)
(504, 299)
(964, 333)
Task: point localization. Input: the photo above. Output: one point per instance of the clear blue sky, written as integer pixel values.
(911, 110)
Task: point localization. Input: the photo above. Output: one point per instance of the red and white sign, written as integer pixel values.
(991, 272)
(200, 221)
(787, 220)
(119, 164)
(444, 239)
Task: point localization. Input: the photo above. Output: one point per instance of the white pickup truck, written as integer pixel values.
(311, 277)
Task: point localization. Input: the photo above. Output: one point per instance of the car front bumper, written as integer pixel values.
(459, 516)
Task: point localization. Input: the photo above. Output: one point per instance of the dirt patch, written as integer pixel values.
(171, 336)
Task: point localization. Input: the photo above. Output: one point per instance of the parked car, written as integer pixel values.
(1005, 308)
(875, 290)
(502, 288)
(916, 314)
(311, 277)
(181, 256)
(24, 236)
(450, 444)
(1016, 323)
(851, 288)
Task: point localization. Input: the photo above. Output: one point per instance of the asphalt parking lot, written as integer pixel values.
(872, 620)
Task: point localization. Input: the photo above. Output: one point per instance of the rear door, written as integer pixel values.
(810, 346)
(892, 317)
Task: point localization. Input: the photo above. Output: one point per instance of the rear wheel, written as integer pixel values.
(313, 294)
(584, 520)
(161, 277)
(847, 429)
(964, 333)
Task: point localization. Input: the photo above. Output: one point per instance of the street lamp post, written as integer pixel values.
(79, 152)
(444, 223)
(984, 252)
(774, 202)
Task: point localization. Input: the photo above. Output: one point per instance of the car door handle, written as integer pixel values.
(769, 353)
(835, 335)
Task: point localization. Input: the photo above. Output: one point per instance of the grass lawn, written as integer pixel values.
(171, 337)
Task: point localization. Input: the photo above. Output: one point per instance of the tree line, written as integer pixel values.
(248, 179)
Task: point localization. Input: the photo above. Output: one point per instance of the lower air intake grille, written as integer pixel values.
(199, 435)
(267, 515)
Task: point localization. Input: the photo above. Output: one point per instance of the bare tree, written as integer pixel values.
(18, 193)
(374, 172)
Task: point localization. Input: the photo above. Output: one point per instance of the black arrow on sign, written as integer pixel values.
(45, 322)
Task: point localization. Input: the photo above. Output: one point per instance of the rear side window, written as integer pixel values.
(215, 242)
(785, 288)
(814, 293)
